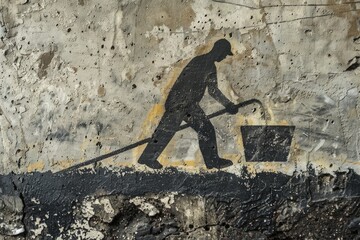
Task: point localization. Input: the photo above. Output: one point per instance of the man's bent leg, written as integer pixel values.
(207, 138)
(166, 129)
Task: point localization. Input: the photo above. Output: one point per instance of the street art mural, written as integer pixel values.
(226, 119)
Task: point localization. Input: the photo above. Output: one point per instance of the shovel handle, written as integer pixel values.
(146, 140)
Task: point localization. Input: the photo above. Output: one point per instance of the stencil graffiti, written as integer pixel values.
(261, 143)
(182, 104)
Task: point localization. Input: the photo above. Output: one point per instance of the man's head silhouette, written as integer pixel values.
(221, 49)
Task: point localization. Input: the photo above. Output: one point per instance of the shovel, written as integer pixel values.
(146, 140)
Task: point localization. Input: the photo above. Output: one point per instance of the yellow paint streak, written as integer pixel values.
(63, 164)
(148, 127)
(234, 157)
(36, 166)
(154, 115)
(191, 163)
(114, 162)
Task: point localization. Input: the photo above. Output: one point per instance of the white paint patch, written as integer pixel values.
(325, 126)
(82, 230)
(81, 227)
(328, 100)
(168, 200)
(144, 206)
(107, 206)
(36, 201)
(17, 231)
(320, 144)
(87, 209)
(40, 228)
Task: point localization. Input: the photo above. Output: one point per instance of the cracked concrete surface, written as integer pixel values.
(83, 78)
(72, 71)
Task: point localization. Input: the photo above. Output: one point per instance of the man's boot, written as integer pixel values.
(218, 163)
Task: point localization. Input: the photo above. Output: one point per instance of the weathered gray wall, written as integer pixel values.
(83, 78)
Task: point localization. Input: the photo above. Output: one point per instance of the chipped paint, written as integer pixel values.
(81, 79)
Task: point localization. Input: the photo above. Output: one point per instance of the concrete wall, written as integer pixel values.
(80, 79)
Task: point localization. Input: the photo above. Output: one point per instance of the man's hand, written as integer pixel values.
(232, 108)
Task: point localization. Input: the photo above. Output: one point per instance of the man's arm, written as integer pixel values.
(215, 92)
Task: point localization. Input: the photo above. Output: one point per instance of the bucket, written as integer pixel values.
(267, 143)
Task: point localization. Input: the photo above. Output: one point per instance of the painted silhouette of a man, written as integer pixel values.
(182, 104)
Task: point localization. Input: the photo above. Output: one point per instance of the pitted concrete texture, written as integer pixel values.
(83, 78)
(80, 79)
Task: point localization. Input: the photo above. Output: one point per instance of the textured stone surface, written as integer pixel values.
(83, 78)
